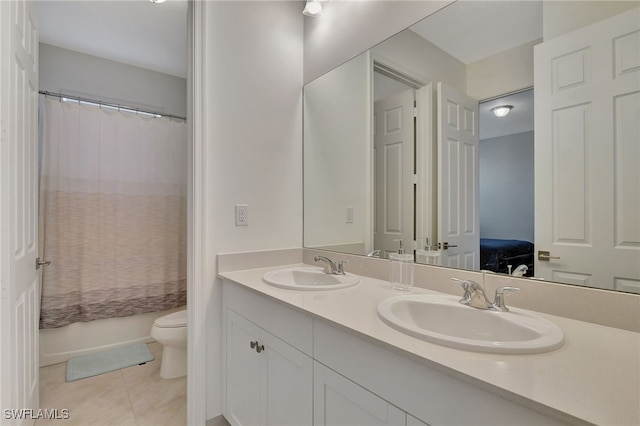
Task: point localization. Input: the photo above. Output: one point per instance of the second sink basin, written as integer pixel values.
(442, 319)
(301, 278)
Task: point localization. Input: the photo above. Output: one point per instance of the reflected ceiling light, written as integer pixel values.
(501, 110)
(157, 1)
(313, 8)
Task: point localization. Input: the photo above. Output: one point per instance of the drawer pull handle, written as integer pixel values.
(257, 346)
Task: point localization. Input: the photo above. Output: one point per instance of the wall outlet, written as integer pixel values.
(349, 214)
(242, 215)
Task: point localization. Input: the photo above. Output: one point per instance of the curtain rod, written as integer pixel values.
(111, 105)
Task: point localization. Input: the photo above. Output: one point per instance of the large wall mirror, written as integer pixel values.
(406, 142)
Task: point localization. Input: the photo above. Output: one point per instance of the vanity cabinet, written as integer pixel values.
(269, 382)
(429, 395)
(284, 366)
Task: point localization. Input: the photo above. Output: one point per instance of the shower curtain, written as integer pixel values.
(112, 213)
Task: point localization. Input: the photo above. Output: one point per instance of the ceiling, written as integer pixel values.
(473, 30)
(154, 36)
(135, 32)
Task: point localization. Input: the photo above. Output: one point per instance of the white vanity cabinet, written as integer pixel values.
(268, 381)
(314, 371)
(429, 395)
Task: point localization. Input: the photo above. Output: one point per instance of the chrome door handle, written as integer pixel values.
(40, 263)
(445, 245)
(545, 256)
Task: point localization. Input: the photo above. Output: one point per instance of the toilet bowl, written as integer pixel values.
(171, 331)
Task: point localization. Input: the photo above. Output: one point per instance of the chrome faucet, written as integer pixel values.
(330, 267)
(374, 253)
(475, 296)
(520, 271)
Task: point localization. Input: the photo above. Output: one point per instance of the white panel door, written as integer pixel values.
(394, 170)
(19, 309)
(587, 152)
(340, 402)
(426, 168)
(458, 143)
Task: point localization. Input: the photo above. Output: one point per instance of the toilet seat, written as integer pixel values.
(174, 320)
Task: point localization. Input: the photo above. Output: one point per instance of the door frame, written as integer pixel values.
(199, 276)
(425, 156)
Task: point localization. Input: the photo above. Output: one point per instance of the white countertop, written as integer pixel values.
(595, 377)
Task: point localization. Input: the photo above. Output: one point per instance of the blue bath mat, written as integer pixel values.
(107, 361)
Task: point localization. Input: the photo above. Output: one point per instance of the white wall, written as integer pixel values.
(338, 157)
(252, 60)
(75, 73)
(348, 28)
(506, 187)
(504, 72)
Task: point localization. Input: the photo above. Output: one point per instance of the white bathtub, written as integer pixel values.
(82, 338)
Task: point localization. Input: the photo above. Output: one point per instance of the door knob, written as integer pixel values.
(545, 256)
(40, 263)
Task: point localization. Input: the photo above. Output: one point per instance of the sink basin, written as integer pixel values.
(309, 279)
(442, 319)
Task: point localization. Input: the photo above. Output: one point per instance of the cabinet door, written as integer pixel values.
(289, 393)
(244, 379)
(339, 401)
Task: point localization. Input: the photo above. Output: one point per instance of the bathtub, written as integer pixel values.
(61, 344)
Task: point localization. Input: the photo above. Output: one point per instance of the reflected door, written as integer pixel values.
(587, 151)
(394, 152)
(458, 158)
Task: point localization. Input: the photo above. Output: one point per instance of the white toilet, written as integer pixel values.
(171, 331)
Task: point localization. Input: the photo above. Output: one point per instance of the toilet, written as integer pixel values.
(171, 331)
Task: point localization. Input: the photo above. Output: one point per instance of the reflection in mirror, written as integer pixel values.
(506, 186)
(397, 146)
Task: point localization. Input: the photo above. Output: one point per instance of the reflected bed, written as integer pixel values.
(496, 254)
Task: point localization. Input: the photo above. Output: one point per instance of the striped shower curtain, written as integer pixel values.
(112, 213)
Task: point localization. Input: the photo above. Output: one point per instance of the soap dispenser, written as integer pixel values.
(401, 269)
(428, 255)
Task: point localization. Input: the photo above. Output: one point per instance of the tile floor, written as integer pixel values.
(134, 396)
